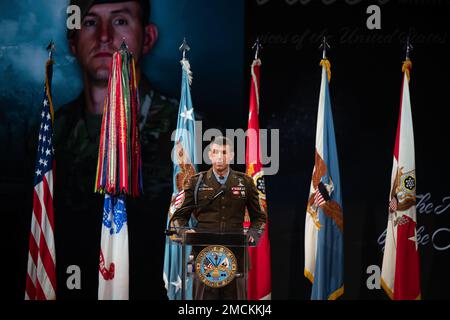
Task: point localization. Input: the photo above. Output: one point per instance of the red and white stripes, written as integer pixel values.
(41, 275)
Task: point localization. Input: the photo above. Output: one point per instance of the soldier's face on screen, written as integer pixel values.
(220, 156)
(103, 29)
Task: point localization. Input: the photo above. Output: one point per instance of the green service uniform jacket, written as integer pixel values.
(224, 212)
(220, 208)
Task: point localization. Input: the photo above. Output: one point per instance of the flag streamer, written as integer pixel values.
(119, 166)
(119, 173)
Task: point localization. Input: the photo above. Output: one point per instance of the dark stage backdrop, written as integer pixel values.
(365, 96)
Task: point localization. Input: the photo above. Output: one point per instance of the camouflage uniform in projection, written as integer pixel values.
(79, 210)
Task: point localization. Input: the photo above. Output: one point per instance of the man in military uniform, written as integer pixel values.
(218, 199)
(105, 24)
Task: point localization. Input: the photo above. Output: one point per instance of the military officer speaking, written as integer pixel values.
(218, 198)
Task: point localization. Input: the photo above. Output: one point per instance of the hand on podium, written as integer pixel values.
(181, 232)
(177, 236)
(254, 235)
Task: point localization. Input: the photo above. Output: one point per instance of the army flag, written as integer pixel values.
(259, 276)
(41, 275)
(113, 267)
(400, 276)
(184, 167)
(324, 259)
(118, 173)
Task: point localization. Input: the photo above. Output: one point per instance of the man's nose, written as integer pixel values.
(222, 159)
(105, 32)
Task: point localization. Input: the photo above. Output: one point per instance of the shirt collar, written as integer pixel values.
(225, 176)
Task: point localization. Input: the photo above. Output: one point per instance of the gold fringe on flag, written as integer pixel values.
(406, 67)
(327, 64)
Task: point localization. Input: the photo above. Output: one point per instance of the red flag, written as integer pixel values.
(400, 275)
(41, 275)
(259, 276)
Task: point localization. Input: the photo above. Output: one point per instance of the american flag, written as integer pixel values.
(318, 198)
(321, 195)
(41, 275)
(179, 199)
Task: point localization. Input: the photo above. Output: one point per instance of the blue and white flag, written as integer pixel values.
(324, 257)
(184, 159)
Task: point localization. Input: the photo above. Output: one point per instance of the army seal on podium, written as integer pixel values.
(216, 266)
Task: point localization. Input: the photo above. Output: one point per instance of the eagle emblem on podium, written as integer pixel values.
(216, 266)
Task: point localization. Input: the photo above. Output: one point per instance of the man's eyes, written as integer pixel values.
(116, 22)
(89, 23)
(120, 22)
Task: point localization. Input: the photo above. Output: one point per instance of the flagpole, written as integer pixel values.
(408, 48)
(51, 48)
(124, 45)
(257, 46)
(407, 63)
(325, 62)
(184, 47)
(324, 46)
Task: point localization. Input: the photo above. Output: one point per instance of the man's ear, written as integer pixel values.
(150, 37)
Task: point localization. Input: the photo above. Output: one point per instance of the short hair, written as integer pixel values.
(85, 5)
(222, 141)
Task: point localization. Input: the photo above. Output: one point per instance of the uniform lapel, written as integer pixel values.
(211, 180)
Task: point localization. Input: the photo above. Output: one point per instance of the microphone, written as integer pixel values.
(222, 190)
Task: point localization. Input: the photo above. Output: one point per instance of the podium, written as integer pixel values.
(214, 261)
